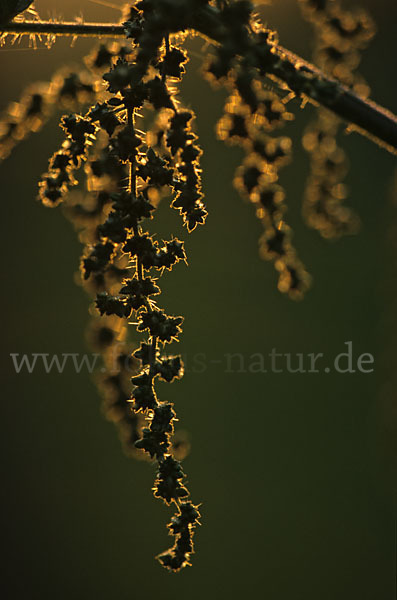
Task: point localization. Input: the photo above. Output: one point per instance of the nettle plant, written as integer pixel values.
(130, 142)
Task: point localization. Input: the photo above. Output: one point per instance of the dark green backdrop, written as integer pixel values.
(294, 471)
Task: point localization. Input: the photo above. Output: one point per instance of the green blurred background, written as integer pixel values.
(294, 471)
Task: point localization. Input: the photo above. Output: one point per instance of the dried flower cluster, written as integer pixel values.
(68, 90)
(128, 171)
(339, 37)
(251, 114)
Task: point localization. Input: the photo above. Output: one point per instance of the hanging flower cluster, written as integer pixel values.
(339, 37)
(128, 170)
(251, 114)
(69, 89)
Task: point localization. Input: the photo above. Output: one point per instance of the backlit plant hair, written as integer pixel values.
(132, 141)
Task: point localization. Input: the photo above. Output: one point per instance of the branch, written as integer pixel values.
(300, 76)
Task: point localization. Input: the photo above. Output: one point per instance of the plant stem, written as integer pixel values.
(64, 29)
(132, 161)
(302, 77)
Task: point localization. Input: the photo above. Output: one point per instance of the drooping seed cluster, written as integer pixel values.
(339, 37)
(67, 89)
(251, 114)
(128, 170)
